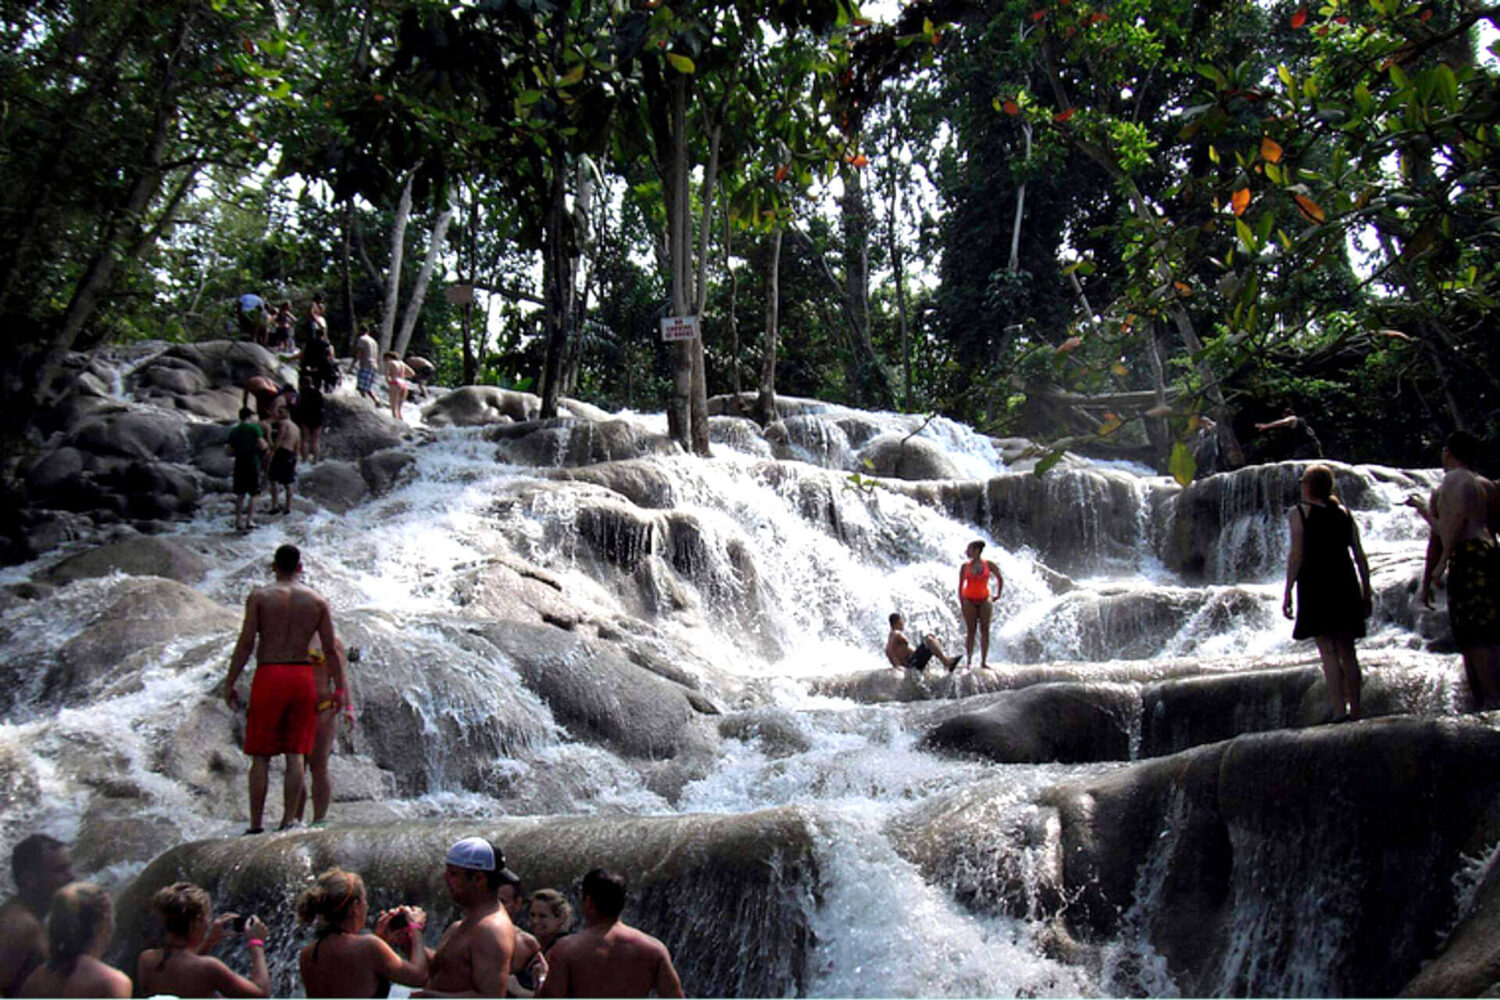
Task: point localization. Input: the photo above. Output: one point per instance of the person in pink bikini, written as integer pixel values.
(976, 602)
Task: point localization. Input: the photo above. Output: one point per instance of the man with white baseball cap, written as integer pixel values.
(474, 955)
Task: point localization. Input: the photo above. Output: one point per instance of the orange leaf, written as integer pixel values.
(1240, 200)
(1310, 208)
(1323, 31)
(379, 98)
(1070, 345)
(1341, 19)
(1098, 18)
(249, 46)
(1037, 15)
(1299, 18)
(861, 161)
(1182, 289)
(1270, 150)
(1425, 16)
(1063, 116)
(1011, 108)
(781, 173)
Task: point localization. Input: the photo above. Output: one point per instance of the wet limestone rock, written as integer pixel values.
(896, 456)
(740, 434)
(353, 428)
(335, 485)
(141, 555)
(1469, 963)
(479, 405)
(715, 889)
(1068, 723)
(385, 470)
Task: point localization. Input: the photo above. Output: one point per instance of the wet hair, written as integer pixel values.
(288, 559)
(79, 911)
(975, 544)
(606, 889)
(895, 617)
(1463, 446)
(1319, 480)
(27, 856)
(330, 898)
(181, 905)
(557, 903)
(246, 413)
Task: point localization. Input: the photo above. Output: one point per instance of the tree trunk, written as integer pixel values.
(556, 281)
(871, 388)
(679, 411)
(898, 268)
(699, 434)
(1015, 229)
(424, 278)
(346, 267)
(393, 270)
(471, 359)
(765, 400)
(733, 321)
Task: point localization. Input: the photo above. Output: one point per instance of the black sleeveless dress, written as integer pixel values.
(1329, 599)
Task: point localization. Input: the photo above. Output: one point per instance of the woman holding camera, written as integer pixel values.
(344, 961)
(181, 967)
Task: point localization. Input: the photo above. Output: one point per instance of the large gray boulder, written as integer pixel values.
(714, 889)
(385, 470)
(141, 555)
(568, 441)
(135, 434)
(335, 485)
(913, 458)
(1070, 723)
(1469, 963)
(480, 405)
(353, 429)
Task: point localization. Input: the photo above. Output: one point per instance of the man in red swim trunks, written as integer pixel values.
(283, 717)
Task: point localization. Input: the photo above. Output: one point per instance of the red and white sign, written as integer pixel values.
(679, 328)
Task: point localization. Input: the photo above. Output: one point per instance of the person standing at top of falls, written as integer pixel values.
(182, 967)
(1462, 542)
(39, 865)
(280, 621)
(473, 958)
(901, 655)
(1332, 603)
(608, 958)
(1299, 440)
(976, 601)
(366, 351)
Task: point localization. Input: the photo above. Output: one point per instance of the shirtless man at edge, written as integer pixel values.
(473, 958)
(40, 866)
(1460, 541)
(608, 958)
(902, 655)
(280, 621)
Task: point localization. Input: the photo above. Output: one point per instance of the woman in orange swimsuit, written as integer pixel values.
(974, 600)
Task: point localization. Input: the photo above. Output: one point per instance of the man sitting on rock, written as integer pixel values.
(899, 651)
(608, 958)
(280, 621)
(473, 958)
(40, 866)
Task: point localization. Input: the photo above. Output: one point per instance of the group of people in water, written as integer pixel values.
(55, 933)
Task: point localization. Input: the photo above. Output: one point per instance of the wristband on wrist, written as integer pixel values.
(255, 943)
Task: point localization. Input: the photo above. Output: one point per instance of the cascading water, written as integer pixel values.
(759, 578)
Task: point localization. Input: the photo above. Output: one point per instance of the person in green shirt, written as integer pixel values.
(247, 440)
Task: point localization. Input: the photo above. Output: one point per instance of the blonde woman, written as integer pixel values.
(344, 961)
(181, 967)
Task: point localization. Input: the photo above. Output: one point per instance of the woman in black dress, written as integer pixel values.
(1332, 602)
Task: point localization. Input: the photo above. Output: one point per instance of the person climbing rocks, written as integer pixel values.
(976, 601)
(903, 656)
(1332, 602)
(280, 622)
(247, 440)
(422, 372)
(1296, 439)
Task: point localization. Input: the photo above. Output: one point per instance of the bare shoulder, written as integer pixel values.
(17, 920)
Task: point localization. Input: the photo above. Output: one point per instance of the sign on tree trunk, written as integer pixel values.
(679, 328)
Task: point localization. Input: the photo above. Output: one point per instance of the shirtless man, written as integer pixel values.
(528, 966)
(40, 866)
(267, 395)
(422, 373)
(282, 470)
(473, 958)
(280, 621)
(1461, 542)
(899, 651)
(366, 352)
(608, 958)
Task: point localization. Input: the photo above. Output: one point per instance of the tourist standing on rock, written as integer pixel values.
(280, 621)
(1461, 542)
(608, 958)
(329, 699)
(976, 602)
(398, 386)
(267, 395)
(282, 472)
(344, 961)
(1299, 442)
(39, 865)
(182, 966)
(1332, 602)
(366, 351)
(422, 372)
(80, 923)
(282, 327)
(528, 966)
(551, 917)
(252, 317)
(899, 651)
(473, 958)
(247, 441)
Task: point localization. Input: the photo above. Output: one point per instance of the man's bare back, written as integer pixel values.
(23, 945)
(473, 958)
(283, 617)
(288, 436)
(610, 961)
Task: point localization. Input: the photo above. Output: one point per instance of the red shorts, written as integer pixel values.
(283, 715)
